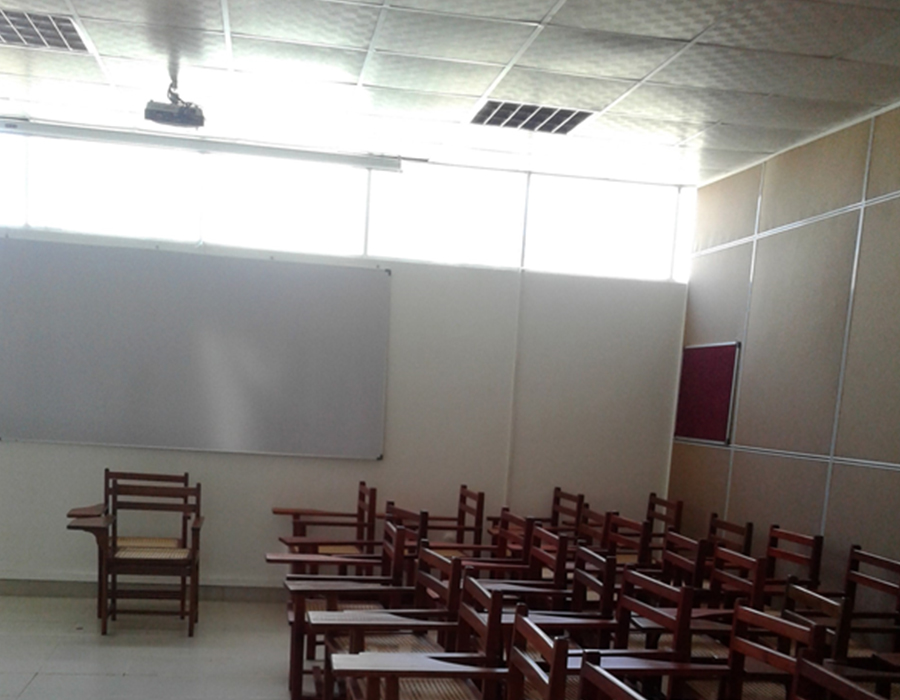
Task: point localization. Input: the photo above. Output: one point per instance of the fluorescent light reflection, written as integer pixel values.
(600, 228)
(684, 236)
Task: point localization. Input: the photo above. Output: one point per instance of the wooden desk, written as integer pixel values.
(98, 526)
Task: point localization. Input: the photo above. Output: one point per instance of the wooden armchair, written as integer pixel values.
(664, 515)
(125, 555)
(802, 554)
(814, 682)
(730, 535)
(880, 577)
(465, 528)
(538, 664)
(628, 540)
(93, 518)
(589, 532)
(565, 512)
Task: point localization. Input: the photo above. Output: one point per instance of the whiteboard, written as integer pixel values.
(126, 346)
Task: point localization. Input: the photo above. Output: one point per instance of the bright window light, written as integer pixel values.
(12, 180)
(448, 215)
(684, 238)
(600, 228)
(113, 190)
(286, 205)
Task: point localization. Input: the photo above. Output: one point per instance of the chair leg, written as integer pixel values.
(194, 597)
(183, 599)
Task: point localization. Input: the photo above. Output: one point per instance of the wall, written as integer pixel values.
(798, 258)
(510, 382)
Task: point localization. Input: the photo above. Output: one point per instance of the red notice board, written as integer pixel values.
(708, 374)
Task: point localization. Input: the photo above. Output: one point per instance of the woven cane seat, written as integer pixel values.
(434, 689)
(152, 553)
(156, 542)
(394, 643)
(572, 686)
(322, 604)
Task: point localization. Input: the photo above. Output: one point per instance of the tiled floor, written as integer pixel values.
(51, 649)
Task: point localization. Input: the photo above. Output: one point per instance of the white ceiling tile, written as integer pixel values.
(760, 139)
(697, 104)
(401, 103)
(801, 26)
(522, 10)
(713, 159)
(440, 36)
(36, 63)
(305, 21)
(555, 90)
(53, 7)
(156, 42)
(196, 14)
(885, 49)
(619, 127)
(597, 54)
(429, 75)
(790, 75)
(672, 19)
(299, 61)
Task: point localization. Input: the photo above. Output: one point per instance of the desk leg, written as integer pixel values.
(298, 602)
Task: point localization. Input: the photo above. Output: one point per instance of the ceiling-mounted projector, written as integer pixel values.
(175, 112)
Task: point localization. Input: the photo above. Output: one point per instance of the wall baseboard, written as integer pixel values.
(83, 589)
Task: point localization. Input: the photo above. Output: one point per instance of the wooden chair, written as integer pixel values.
(628, 540)
(880, 577)
(538, 665)
(565, 511)
(598, 684)
(814, 682)
(685, 560)
(436, 608)
(589, 532)
(466, 527)
(594, 590)
(105, 509)
(730, 535)
(802, 553)
(736, 577)
(664, 515)
(125, 556)
(469, 673)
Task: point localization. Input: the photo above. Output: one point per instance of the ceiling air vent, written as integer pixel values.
(39, 31)
(553, 120)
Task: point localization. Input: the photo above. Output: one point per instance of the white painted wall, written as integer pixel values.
(591, 408)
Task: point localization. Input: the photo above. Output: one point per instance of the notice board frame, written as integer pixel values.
(706, 392)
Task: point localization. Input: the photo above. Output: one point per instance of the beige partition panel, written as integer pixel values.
(792, 355)
(717, 296)
(726, 210)
(768, 489)
(884, 170)
(869, 425)
(822, 176)
(699, 478)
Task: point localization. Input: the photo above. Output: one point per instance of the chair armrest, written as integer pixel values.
(94, 525)
(197, 523)
(300, 512)
(292, 541)
(94, 511)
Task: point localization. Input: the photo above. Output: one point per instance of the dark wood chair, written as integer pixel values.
(589, 532)
(814, 682)
(598, 684)
(664, 515)
(685, 560)
(105, 509)
(465, 528)
(538, 665)
(730, 535)
(628, 540)
(565, 512)
(474, 671)
(792, 554)
(125, 555)
(879, 578)
(594, 590)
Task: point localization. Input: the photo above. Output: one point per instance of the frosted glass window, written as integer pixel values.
(286, 205)
(448, 214)
(600, 228)
(684, 239)
(12, 180)
(113, 189)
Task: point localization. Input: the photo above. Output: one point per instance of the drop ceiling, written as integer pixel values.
(681, 91)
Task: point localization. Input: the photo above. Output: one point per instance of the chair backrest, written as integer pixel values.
(877, 576)
(763, 637)
(565, 510)
(667, 606)
(111, 477)
(813, 681)
(806, 607)
(597, 683)
(548, 553)
(438, 581)
(467, 525)
(513, 535)
(590, 530)
(802, 552)
(735, 577)
(626, 536)
(480, 621)
(684, 559)
(366, 500)
(394, 552)
(536, 659)
(664, 514)
(594, 573)
(127, 495)
(730, 535)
